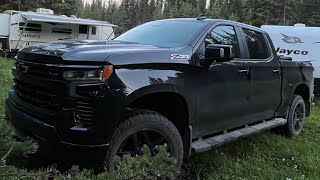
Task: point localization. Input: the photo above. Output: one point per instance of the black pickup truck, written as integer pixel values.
(192, 83)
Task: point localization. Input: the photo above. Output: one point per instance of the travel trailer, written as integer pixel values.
(19, 29)
(299, 42)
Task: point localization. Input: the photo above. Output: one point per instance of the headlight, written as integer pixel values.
(92, 74)
(82, 74)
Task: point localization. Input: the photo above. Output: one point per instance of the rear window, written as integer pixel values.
(257, 45)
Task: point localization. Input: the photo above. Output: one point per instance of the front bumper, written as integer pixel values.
(30, 127)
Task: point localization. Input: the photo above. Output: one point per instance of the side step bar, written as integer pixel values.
(202, 145)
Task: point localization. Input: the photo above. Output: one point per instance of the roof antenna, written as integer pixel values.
(202, 17)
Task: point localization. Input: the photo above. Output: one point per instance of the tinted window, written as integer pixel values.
(225, 35)
(257, 45)
(62, 30)
(94, 30)
(165, 33)
(33, 27)
(83, 29)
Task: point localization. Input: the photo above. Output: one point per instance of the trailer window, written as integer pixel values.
(33, 27)
(62, 30)
(83, 29)
(94, 30)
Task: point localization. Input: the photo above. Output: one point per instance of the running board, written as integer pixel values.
(202, 145)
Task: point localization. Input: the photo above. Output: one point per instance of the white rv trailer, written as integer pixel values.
(19, 29)
(299, 42)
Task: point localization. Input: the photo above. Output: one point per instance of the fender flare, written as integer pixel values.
(152, 89)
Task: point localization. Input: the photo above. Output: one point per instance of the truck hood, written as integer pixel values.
(114, 52)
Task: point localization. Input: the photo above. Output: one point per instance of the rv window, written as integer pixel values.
(83, 29)
(94, 30)
(30, 27)
(257, 45)
(62, 30)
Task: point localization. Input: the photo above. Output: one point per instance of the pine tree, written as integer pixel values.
(202, 6)
(311, 12)
(130, 13)
(188, 10)
(158, 14)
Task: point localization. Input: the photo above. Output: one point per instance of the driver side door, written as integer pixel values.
(222, 96)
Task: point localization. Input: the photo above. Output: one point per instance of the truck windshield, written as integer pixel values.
(165, 33)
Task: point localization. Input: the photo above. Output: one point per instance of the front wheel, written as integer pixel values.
(144, 128)
(295, 117)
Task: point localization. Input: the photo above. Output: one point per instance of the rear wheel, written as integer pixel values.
(296, 117)
(144, 128)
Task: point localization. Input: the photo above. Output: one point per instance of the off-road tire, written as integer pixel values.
(289, 129)
(137, 121)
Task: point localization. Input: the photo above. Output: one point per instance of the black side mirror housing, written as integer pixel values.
(219, 52)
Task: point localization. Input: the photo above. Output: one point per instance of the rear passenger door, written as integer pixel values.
(265, 75)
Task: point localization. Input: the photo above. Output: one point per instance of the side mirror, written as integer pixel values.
(219, 52)
(284, 58)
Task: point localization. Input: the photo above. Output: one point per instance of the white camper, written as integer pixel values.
(19, 29)
(299, 42)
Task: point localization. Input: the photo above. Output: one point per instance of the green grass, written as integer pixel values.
(266, 156)
(263, 156)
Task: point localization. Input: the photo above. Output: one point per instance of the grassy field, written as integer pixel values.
(264, 156)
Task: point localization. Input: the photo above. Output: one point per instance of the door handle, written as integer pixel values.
(276, 71)
(243, 71)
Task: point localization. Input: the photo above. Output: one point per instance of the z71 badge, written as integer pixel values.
(179, 57)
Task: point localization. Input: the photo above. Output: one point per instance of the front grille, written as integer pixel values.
(40, 71)
(85, 112)
(35, 96)
(39, 85)
(44, 86)
(46, 72)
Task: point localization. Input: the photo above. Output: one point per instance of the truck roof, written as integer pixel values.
(218, 21)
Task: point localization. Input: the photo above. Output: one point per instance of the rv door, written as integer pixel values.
(5, 21)
(83, 32)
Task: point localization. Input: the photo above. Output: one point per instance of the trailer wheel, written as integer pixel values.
(12, 54)
(2, 53)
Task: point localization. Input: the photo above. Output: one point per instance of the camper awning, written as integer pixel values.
(37, 17)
